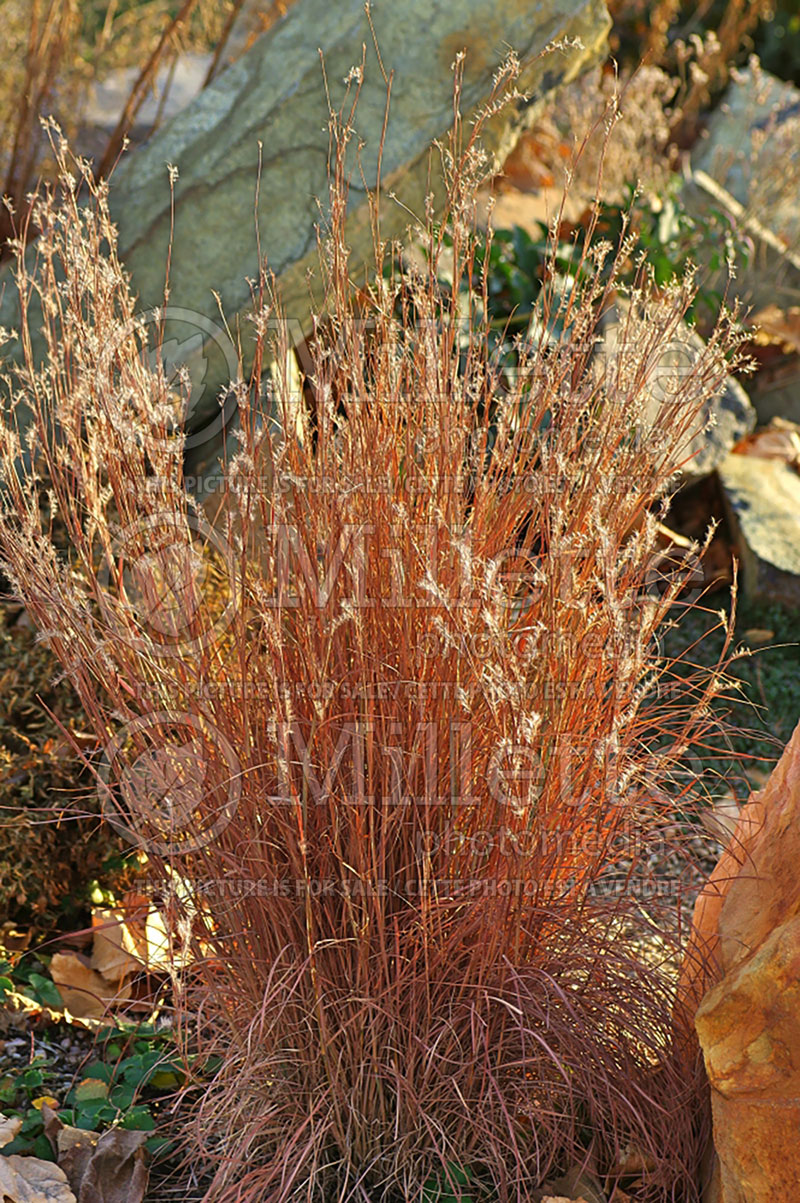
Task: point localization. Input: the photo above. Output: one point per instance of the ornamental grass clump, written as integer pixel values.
(395, 731)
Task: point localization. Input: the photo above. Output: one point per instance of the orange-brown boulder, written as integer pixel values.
(747, 925)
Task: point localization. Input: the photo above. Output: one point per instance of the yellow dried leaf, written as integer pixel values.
(119, 947)
(776, 326)
(85, 993)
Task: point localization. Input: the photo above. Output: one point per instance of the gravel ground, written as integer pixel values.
(66, 1054)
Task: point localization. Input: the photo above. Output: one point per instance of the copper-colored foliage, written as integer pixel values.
(421, 769)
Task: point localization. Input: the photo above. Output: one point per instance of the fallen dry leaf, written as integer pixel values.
(576, 1186)
(128, 938)
(18, 1009)
(632, 1160)
(758, 636)
(779, 440)
(30, 1180)
(9, 1127)
(779, 327)
(720, 821)
(134, 935)
(159, 950)
(117, 1170)
(14, 940)
(108, 1167)
(562, 1199)
(119, 947)
(85, 993)
(73, 1146)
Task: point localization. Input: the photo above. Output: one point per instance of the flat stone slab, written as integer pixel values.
(274, 97)
(762, 503)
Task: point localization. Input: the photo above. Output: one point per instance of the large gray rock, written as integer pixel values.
(752, 148)
(722, 420)
(762, 503)
(747, 166)
(776, 392)
(771, 274)
(771, 277)
(274, 95)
